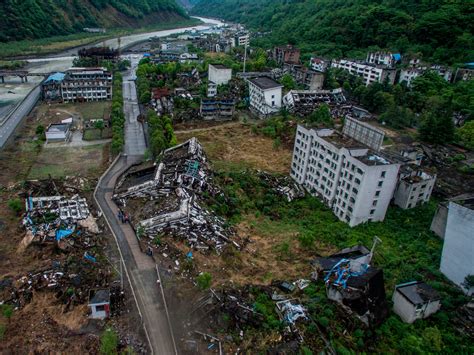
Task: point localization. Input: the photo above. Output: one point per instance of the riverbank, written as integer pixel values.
(21, 50)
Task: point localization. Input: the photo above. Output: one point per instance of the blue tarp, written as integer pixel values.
(63, 233)
(55, 77)
(397, 57)
(89, 257)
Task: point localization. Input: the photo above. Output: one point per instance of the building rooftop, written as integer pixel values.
(265, 83)
(219, 66)
(417, 292)
(373, 159)
(465, 200)
(58, 127)
(101, 296)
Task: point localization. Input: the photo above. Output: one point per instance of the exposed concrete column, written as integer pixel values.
(3, 79)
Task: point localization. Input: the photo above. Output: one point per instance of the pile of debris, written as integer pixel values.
(282, 185)
(167, 199)
(352, 282)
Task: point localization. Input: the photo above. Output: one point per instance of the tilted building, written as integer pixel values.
(265, 96)
(355, 182)
(414, 187)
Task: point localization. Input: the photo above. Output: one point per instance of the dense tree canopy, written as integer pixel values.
(441, 31)
(31, 19)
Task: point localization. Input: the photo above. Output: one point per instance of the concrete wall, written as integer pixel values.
(408, 312)
(219, 76)
(363, 132)
(457, 259)
(440, 219)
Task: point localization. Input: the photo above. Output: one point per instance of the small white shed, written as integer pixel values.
(100, 304)
(58, 132)
(415, 300)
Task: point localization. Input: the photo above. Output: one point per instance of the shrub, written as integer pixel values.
(108, 342)
(15, 205)
(204, 280)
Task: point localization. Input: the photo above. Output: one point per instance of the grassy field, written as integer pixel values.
(95, 134)
(285, 237)
(234, 146)
(86, 110)
(61, 162)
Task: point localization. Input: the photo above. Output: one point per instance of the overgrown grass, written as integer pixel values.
(409, 251)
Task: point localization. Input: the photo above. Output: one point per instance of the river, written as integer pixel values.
(13, 91)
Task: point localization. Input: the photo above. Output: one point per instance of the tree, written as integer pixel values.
(398, 117)
(321, 115)
(288, 82)
(466, 134)
(204, 280)
(99, 124)
(436, 127)
(108, 342)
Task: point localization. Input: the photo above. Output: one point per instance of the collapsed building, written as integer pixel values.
(355, 284)
(304, 102)
(217, 108)
(167, 199)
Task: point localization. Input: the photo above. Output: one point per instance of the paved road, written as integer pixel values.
(141, 268)
(9, 125)
(134, 136)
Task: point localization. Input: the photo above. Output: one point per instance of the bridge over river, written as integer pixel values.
(22, 74)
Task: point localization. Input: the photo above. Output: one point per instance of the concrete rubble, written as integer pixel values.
(283, 186)
(168, 198)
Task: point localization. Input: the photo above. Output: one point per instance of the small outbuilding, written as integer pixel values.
(100, 304)
(415, 300)
(58, 132)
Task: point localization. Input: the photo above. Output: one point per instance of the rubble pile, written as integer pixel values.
(168, 199)
(283, 186)
(352, 282)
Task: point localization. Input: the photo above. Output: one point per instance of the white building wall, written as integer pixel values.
(457, 259)
(409, 312)
(219, 76)
(267, 101)
(355, 191)
(409, 195)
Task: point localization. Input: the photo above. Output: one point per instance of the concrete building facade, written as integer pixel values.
(368, 72)
(265, 96)
(86, 84)
(457, 259)
(286, 54)
(58, 132)
(318, 64)
(355, 182)
(415, 300)
(414, 187)
(363, 132)
(219, 74)
(383, 58)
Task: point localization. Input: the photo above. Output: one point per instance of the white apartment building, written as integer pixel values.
(414, 188)
(383, 58)
(240, 40)
(86, 84)
(369, 73)
(219, 74)
(409, 74)
(457, 260)
(318, 64)
(265, 95)
(363, 132)
(356, 183)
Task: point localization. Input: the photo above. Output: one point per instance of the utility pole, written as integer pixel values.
(245, 56)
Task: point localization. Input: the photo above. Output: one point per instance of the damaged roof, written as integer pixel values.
(418, 292)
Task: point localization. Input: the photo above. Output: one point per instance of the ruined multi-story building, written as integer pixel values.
(287, 54)
(383, 58)
(217, 108)
(86, 84)
(354, 181)
(414, 187)
(370, 73)
(265, 96)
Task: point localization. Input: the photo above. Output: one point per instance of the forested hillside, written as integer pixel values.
(442, 30)
(32, 19)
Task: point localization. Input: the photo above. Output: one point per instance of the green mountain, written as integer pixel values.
(32, 19)
(439, 30)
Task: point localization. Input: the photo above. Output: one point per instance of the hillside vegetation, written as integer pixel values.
(441, 31)
(33, 19)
